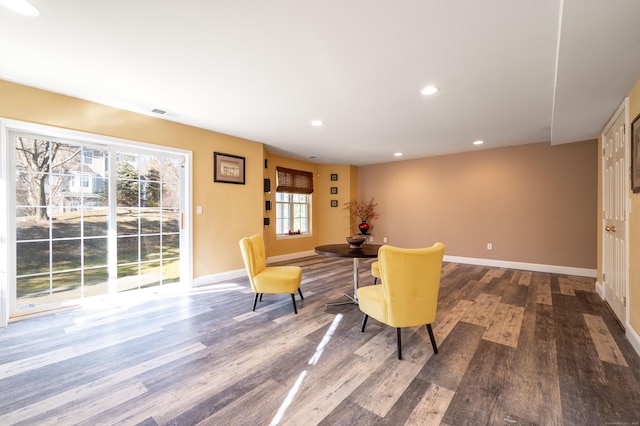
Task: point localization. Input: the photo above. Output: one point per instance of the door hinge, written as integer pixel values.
(624, 301)
(604, 277)
(604, 152)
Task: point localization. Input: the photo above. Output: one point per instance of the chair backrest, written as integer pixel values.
(253, 254)
(410, 281)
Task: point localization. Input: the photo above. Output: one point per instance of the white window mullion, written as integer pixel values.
(112, 242)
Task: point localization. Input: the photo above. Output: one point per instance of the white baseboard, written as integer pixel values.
(242, 273)
(633, 337)
(568, 270)
(290, 256)
(600, 289)
(222, 276)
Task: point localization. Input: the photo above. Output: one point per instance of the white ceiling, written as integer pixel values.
(509, 71)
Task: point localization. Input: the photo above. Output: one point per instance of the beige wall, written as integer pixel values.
(229, 211)
(535, 203)
(634, 231)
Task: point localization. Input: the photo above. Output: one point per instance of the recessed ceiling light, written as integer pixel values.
(398, 154)
(317, 123)
(429, 90)
(23, 7)
(478, 142)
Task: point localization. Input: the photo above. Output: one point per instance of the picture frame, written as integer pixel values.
(635, 155)
(334, 190)
(228, 168)
(334, 203)
(334, 176)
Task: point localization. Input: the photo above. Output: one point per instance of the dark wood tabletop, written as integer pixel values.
(343, 250)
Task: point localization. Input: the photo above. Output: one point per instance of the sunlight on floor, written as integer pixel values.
(313, 361)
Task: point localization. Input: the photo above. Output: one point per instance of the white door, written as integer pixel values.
(614, 244)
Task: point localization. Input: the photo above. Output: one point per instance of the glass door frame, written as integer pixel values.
(8, 188)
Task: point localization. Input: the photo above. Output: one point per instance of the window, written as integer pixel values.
(88, 157)
(293, 201)
(292, 213)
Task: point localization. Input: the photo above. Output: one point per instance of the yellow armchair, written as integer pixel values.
(268, 279)
(375, 271)
(408, 296)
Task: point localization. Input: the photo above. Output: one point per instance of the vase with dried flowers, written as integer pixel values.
(364, 211)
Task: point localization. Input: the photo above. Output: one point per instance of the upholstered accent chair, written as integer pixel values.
(408, 296)
(268, 279)
(375, 271)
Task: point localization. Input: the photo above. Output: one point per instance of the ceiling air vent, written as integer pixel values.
(158, 111)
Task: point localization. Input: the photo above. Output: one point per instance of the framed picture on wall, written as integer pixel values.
(334, 189)
(635, 155)
(334, 203)
(334, 176)
(228, 168)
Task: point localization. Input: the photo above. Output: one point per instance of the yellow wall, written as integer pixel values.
(330, 224)
(229, 211)
(634, 231)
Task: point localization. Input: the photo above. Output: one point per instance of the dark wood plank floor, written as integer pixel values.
(516, 347)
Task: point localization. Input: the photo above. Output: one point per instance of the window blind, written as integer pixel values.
(293, 181)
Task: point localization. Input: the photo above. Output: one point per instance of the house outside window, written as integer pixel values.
(293, 201)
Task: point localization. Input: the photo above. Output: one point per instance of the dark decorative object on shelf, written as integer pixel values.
(363, 227)
(364, 211)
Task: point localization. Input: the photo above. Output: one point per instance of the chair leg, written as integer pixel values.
(261, 296)
(433, 339)
(398, 333)
(255, 300)
(293, 299)
(375, 280)
(300, 292)
(364, 322)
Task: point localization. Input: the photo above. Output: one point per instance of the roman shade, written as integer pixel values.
(294, 181)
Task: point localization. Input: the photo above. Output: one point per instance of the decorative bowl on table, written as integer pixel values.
(356, 241)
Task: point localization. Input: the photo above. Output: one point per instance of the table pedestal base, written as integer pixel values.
(352, 300)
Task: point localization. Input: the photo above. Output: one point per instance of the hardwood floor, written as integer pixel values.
(515, 347)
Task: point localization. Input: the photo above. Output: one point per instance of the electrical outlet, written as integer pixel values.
(370, 239)
(489, 246)
(198, 209)
(384, 240)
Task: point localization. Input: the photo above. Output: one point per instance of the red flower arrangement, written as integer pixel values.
(362, 210)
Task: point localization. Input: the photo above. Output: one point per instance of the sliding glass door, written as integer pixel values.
(148, 220)
(92, 219)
